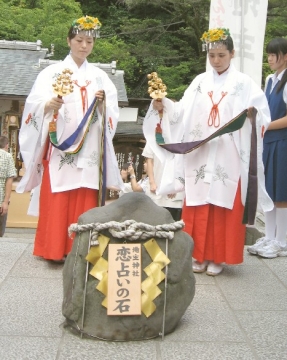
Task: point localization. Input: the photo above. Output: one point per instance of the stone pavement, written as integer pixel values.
(240, 314)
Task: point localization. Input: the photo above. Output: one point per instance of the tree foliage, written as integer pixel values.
(48, 21)
(276, 26)
(141, 35)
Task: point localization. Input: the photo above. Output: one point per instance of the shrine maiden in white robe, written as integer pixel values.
(212, 172)
(68, 171)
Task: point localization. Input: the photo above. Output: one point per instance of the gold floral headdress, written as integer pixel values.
(87, 24)
(212, 37)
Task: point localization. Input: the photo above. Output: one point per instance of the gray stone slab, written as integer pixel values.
(35, 267)
(240, 314)
(205, 350)
(208, 297)
(73, 347)
(273, 352)
(266, 331)
(9, 254)
(252, 288)
(20, 230)
(18, 240)
(28, 236)
(203, 279)
(279, 268)
(207, 325)
(208, 318)
(31, 307)
(28, 348)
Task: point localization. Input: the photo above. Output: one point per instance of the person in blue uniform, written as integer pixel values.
(274, 243)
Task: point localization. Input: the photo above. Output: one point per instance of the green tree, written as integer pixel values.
(276, 26)
(48, 21)
(165, 34)
(114, 49)
(141, 35)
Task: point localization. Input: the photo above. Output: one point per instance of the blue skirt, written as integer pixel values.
(275, 169)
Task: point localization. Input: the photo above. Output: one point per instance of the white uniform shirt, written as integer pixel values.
(158, 171)
(275, 79)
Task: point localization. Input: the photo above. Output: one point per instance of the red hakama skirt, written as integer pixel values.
(57, 211)
(218, 233)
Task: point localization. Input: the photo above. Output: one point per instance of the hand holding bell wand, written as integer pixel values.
(63, 86)
(54, 104)
(157, 91)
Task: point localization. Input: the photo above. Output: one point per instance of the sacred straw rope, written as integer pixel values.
(129, 229)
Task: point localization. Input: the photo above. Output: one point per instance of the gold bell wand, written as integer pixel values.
(157, 91)
(63, 86)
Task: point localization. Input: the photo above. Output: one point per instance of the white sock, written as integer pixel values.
(281, 225)
(270, 224)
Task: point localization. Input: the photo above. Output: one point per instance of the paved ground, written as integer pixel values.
(241, 314)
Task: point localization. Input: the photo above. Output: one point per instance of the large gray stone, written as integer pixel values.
(180, 279)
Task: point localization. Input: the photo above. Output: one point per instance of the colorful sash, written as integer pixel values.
(252, 188)
(184, 148)
(70, 143)
(233, 125)
(74, 147)
(103, 162)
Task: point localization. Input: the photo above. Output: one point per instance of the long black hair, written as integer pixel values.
(278, 46)
(229, 43)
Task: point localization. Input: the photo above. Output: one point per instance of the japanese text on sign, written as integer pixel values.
(124, 279)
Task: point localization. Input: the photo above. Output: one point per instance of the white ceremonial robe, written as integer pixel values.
(68, 171)
(213, 171)
(158, 171)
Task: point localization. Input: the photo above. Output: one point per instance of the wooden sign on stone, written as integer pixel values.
(124, 279)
